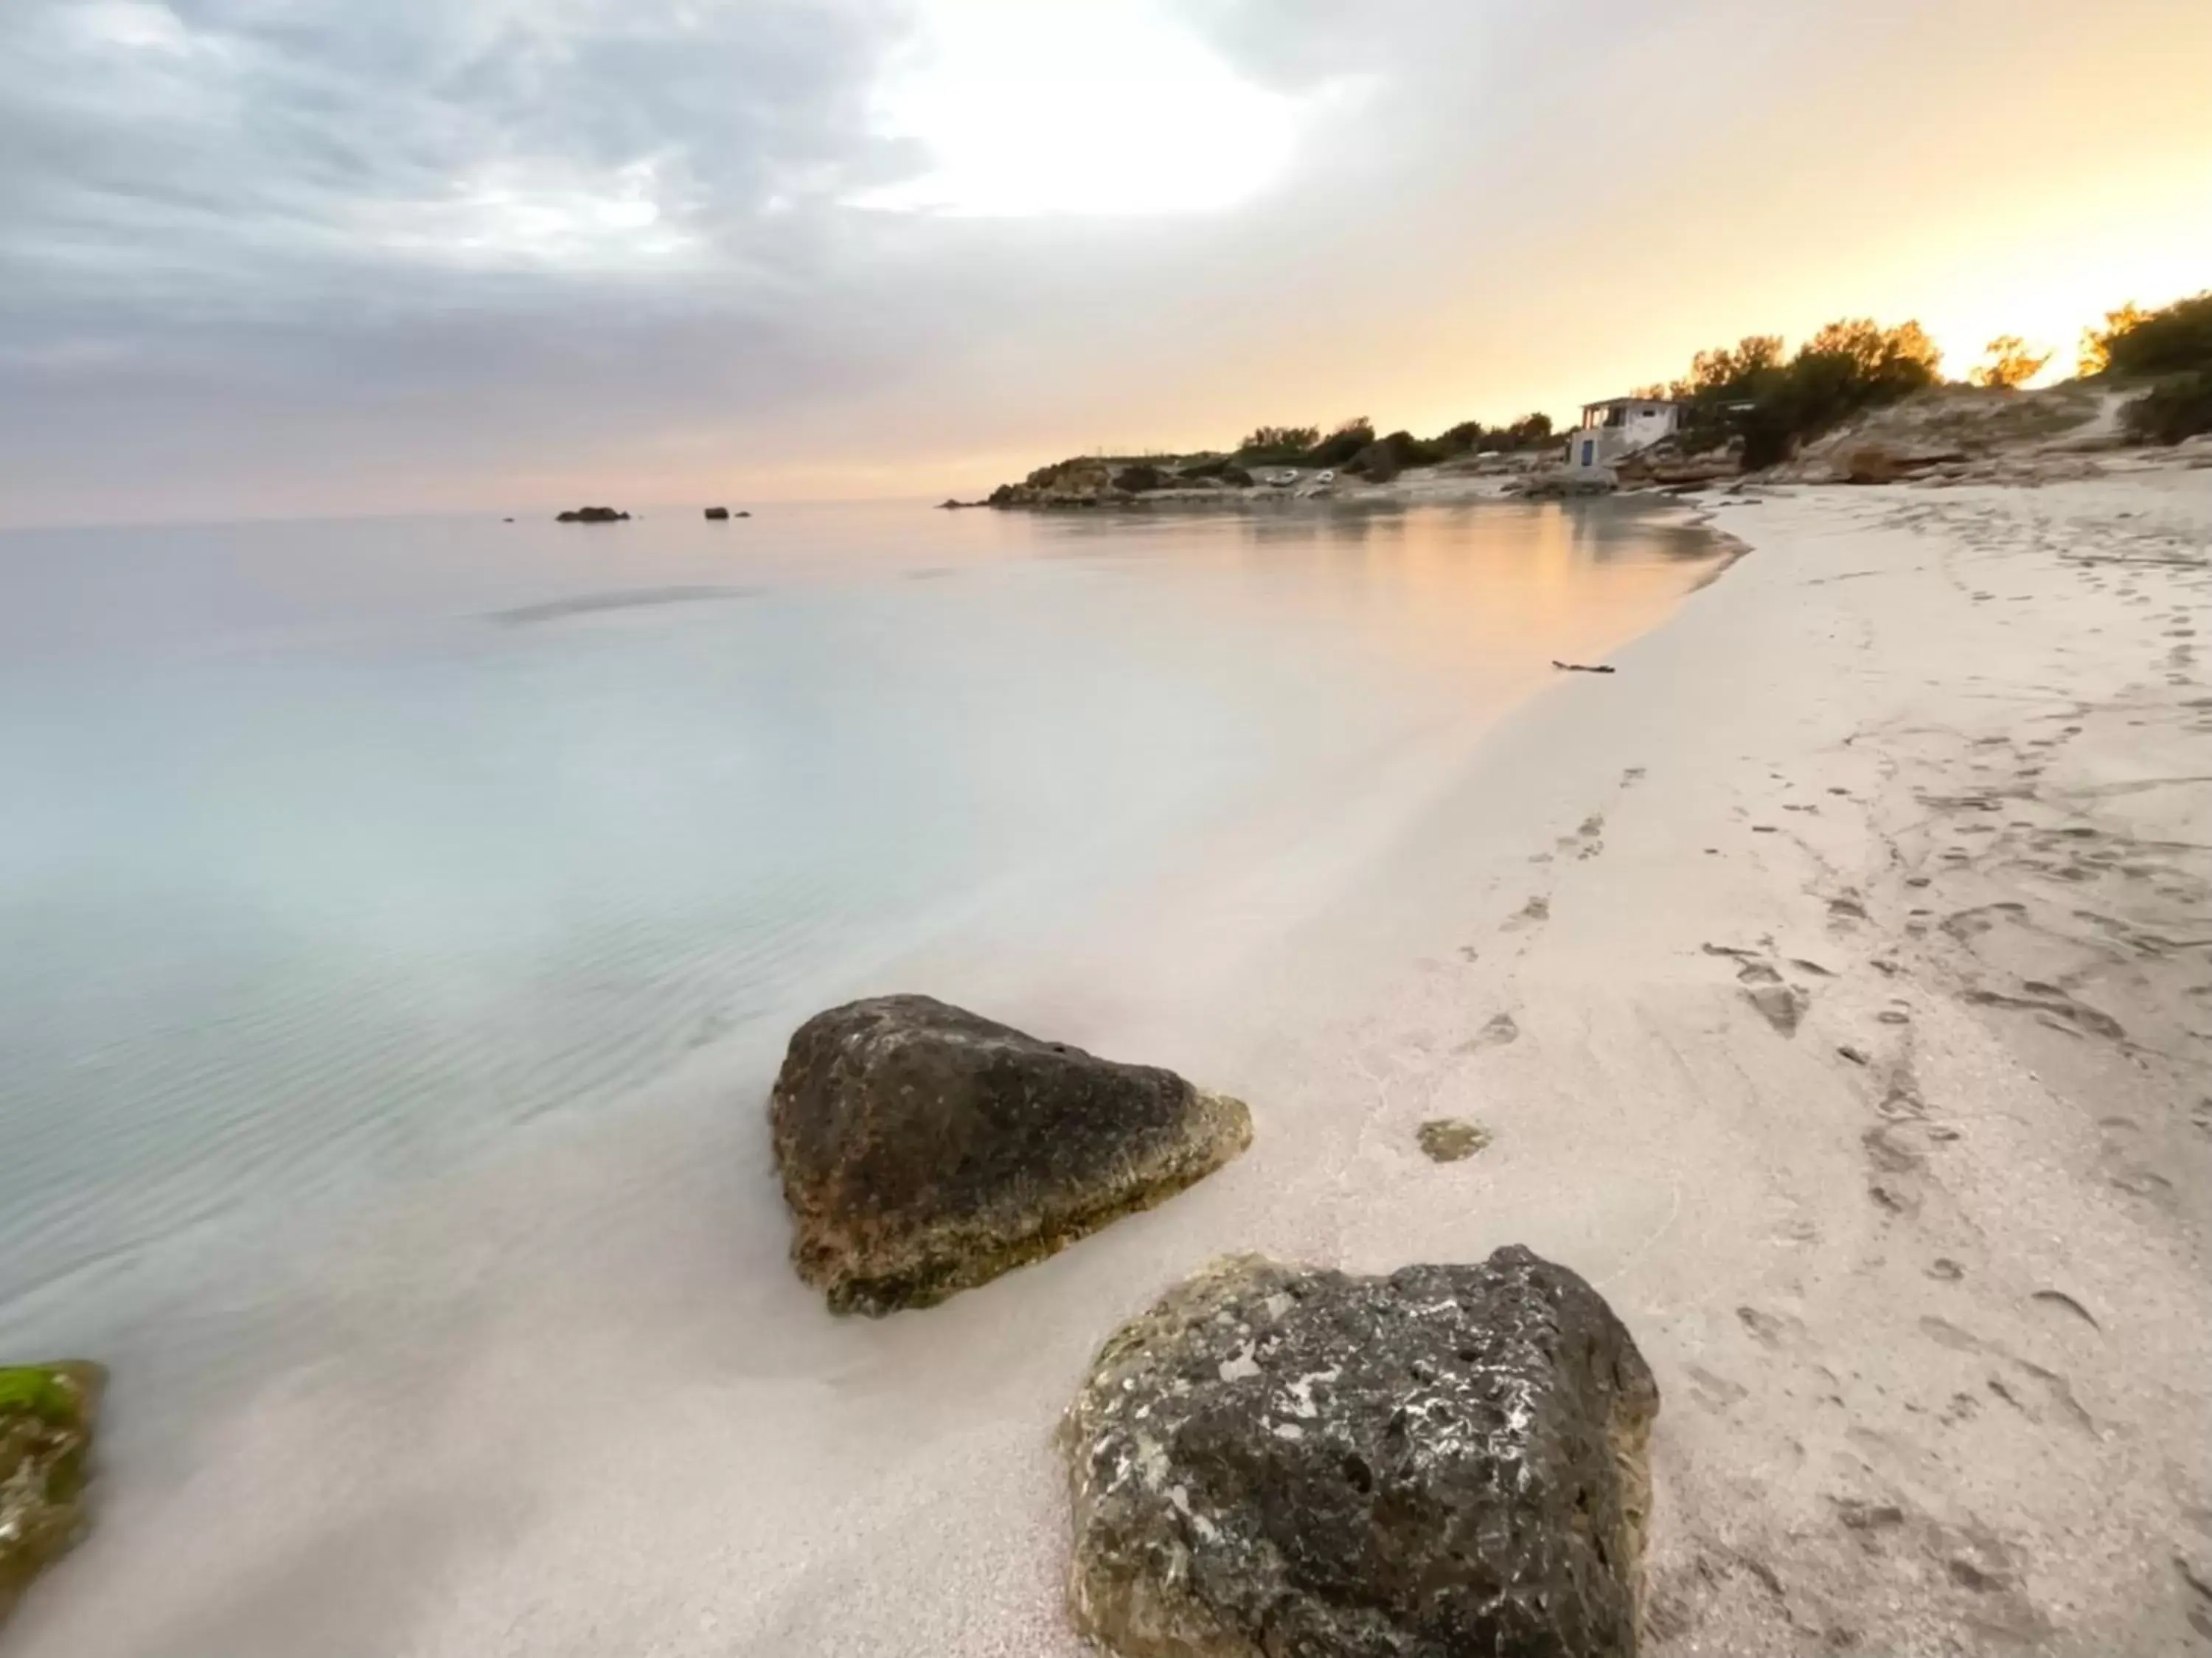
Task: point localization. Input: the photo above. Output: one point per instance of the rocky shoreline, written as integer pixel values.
(1946, 435)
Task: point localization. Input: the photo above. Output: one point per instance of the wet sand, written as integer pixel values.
(1834, 983)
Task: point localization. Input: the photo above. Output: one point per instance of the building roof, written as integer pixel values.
(1608, 402)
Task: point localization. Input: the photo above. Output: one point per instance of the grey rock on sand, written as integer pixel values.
(924, 1149)
(1450, 1460)
(47, 1414)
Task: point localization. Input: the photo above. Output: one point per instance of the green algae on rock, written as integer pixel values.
(1280, 1460)
(925, 1150)
(47, 1414)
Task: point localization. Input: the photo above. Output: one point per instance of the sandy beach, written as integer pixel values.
(1834, 979)
(1837, 986)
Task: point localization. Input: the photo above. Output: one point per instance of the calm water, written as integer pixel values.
(330, 854)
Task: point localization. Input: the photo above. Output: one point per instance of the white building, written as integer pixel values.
(1617, 427)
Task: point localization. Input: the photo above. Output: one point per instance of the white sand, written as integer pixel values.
(1916, 749)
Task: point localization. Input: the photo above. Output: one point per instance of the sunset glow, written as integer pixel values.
(839, 249)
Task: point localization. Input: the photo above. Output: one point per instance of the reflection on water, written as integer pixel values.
(330, 852)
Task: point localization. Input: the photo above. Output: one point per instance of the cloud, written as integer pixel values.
(297, 226)
(159, 147)
(301, 255)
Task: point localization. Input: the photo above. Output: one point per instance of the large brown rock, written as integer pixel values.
(47, 1413)
(924, 1149)
(1450, 1460)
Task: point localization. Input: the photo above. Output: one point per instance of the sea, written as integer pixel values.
(347, 867)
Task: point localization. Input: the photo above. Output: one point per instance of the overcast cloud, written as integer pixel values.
(290, 256)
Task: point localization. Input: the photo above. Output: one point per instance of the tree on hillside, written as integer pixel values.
(2174, 346)
(2097, 343)
(1281, 437)
(1900, 357)
(2008, 364)
(1723, 368)
(2174, 339)
(1748, 393)
(1349, 438)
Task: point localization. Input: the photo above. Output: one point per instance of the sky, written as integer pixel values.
(308, 257)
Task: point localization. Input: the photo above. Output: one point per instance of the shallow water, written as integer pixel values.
(337, 860)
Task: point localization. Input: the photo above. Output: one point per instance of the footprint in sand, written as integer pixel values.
(1896, 1173)
(1534, 912)
(1781, 1005)
(2059, 1299)
(1773, 1330)
(1715, 1393)
(1497, 1033)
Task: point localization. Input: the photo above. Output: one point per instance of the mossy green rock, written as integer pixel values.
(924, 1149)
(47, 1414)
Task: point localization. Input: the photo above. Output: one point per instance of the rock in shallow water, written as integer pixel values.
(924, 1149)
(47, 1412)
(1278, 1462)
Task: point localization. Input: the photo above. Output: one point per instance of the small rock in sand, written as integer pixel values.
(1449, 1140)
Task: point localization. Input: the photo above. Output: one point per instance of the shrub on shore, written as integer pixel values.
(1289, 439)
(1749, 393)
(1141, 478)
(1353, 447)
(2177, 409)
(1213, 468)
(1385, 458)
(1340, 445)
(2174, 339)
(2172, 345)
(2008, 364)
(1531, 431)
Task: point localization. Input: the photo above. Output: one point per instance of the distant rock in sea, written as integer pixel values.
(925, 1150)
(718, 514)
(47, 1413)
(593, 515)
